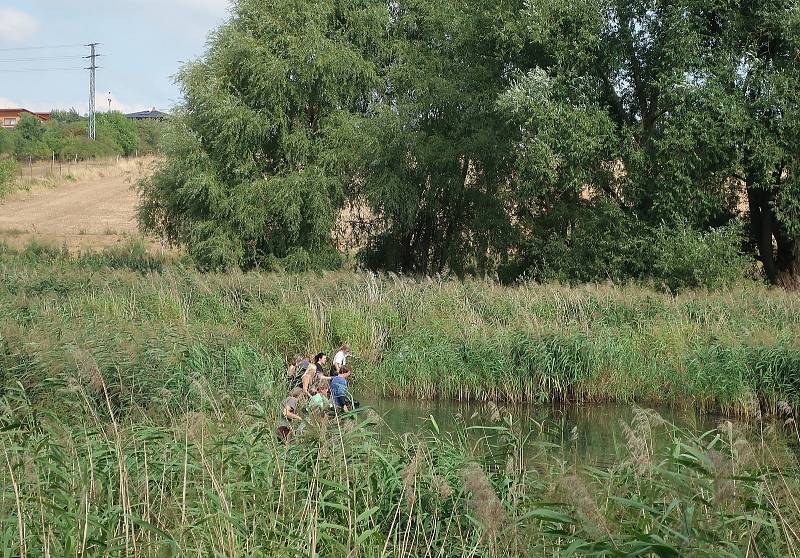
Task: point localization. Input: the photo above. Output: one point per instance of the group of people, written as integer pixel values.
(315, 387)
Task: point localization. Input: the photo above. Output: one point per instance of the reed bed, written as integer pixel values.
(152, 327)
(139, 400)
(214, 481)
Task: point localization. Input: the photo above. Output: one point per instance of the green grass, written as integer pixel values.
(139, 400)
(215, 482)
(152, 327)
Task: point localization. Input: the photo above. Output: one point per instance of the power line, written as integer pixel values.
(30, 70)
(36, 59)
(39, 47)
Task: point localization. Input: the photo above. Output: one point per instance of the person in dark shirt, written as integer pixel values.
(320, 359)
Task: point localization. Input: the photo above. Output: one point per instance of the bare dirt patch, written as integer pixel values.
(95, 207)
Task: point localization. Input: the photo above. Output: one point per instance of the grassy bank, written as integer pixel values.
(153, 330)
(215, 482)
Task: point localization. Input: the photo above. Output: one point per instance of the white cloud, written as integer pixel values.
(37, 106)
(17, 26)
(101, 104)
(116, 104)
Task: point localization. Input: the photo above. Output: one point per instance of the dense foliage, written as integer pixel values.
(562, 139)
(64, 136)
(8, 173)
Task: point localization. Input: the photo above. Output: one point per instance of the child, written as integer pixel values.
(289, 413)
(319, 401)
(339, 392)
(340, 360)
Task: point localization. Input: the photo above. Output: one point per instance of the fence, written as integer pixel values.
(31, 171)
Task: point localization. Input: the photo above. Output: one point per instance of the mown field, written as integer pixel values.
(140, 397)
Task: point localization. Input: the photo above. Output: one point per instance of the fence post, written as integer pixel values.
(53, 164)
(30, 164)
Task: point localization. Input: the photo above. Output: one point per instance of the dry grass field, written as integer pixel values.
(83, 206)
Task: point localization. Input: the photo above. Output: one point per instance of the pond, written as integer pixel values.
(593, 433)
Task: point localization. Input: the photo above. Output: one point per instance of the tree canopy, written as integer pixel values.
(573, 139)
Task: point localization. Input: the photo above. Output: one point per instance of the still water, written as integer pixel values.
(593, 432)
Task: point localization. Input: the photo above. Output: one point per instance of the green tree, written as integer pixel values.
(670, 111)
(29, 140)
(6, 141)
(436, 151)
(247, 175)
(760, 73)
(66, 116)
(53, 138)
(121, 129)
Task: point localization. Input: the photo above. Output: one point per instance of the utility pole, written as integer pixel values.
(92, 67)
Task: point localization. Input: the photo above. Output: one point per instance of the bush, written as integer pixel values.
(120, 129)
(37, 252)
(604, 244)
(685, 258)
(601, 244)
(83, 148)
(6, 141)
(8, 173)
(131, 255)
(150, 134)
(29, 141)
(65, 135)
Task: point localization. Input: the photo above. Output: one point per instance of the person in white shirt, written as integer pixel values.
(340, 360)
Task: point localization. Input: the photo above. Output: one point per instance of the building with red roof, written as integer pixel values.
(9, 117)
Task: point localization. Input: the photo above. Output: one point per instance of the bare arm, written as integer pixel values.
(288, 413)
(306, 382)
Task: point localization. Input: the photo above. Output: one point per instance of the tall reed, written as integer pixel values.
(217, 482)
(156, 330)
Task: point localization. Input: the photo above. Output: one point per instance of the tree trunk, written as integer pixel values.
(788, 262)
(763, 229)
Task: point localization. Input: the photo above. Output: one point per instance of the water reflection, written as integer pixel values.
(590, 433)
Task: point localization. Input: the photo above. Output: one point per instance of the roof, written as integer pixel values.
(18, 111)
(152, 113)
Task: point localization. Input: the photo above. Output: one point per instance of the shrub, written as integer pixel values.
(6, 141)
(131, 255)
(8, 173)
(42, 252)
(122, 130)
(685, 258)
(83, 148)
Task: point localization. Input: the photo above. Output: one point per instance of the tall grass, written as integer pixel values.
(215, 481)
(156, 329)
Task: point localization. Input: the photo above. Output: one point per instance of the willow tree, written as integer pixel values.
(246, 175)
(437, 152)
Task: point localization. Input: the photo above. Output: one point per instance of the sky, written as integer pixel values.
(143, 43)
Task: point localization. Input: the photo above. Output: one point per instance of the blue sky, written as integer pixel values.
(142, 41)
